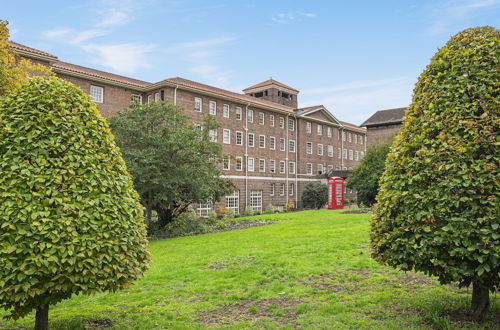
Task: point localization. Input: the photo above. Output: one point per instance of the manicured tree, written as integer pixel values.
(315, 195)
(438, 206)
(70, 220)
(365, 177)
(173, 163)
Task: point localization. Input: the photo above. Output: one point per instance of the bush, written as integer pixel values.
(437, 208)
(249, 211)
(230, 213)
(222, 214)
(190, 214)
(212, 215)
(269, 208)
(315, 196)
(290, 206)
(70, 220)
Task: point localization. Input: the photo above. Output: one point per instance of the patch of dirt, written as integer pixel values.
(465, 316)
(97, 324)
(332, 283)
(235, 262)
(281, 310)
(357, 211)
(412, 280)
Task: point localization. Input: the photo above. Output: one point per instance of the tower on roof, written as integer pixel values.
(274, 91)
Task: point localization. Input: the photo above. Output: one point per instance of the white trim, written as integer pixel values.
(267, 178)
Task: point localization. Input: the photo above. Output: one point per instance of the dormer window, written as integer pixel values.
(259, 94)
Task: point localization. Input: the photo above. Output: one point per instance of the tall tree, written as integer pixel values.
(438, 206)
(173, 164)
(70, 220)
(12, 69)
(315, 195)
(365, 177)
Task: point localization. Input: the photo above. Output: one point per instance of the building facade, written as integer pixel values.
(383, 125)
(272, 148)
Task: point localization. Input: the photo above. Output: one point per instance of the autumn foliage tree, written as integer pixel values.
(70, 220)
(438, 207)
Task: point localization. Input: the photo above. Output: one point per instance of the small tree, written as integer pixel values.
(173, 164)
(315, 195)
(70, 220)
(365, 177)
(12, 69)
(437, 209)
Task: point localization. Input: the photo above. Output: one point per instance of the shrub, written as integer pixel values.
(437, 208)
(315, 195)
(190, 214)
(230, 213)
(269, 208)
(290, 206)
(70, 220)
(222, 214)
(212, 215)
(249, 211)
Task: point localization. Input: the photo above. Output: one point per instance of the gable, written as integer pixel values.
(321, 114)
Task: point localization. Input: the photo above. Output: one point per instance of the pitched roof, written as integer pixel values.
(385, 117)
(27, 49)
(223, 92)
(311, 108)
(270, 82)
(99, 74)
(352, 126)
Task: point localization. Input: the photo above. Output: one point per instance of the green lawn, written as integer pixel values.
(312, 271)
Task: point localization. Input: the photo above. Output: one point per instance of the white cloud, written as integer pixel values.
(57, 33)
(87, 35)
(445, 14)
(123, 58)
(114, 17)
(285, 18)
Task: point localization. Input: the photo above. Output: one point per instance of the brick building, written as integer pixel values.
(383, 125)
(273, 147)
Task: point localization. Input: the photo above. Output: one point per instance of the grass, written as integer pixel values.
(311, 272)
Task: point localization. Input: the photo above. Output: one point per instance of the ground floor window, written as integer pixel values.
(256, 200)
(204, 208)
(233, 202)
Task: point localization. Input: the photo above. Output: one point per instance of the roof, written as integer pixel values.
(27, 49)
(352, 126)
(99, 74)
(311, 108)
(270, 82)
(386, 117)
(223, 92)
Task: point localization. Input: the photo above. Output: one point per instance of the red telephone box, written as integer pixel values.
(335, 193)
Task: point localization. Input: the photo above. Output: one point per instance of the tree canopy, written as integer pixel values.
(173, 163)
(438, 206)
(70, 220)
(315, 195)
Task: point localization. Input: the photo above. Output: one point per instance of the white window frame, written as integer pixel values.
(250, 164)
(212, 108)
(351, 155)
(233, 201)
(136, 98)
(344, 152)
(273, 189)
(271, 120)
(197, 101)
(262, 165)
(339, 152)
(157, 96)
(150, 98)
(239, 138)
(291, 167)
(226, 163)
(355, 138)
(282, 144)
(282, 122)
(238, 112)
(291, 124)
(329, 131)
(291, 189)
(330, 151)
(309, 148)
(204, 208)
(309, 169)
(291, 145)
(239, 163)
(308, 127)
(272, 166)
(97, 94)
(256, 200)
(319, 168)
(349, 137)
(282, 167)
(213, 135)
(356, 154)
(282, 189)
(320, 149)
(262, 141)
(251, 140)
(319, 129)
(250, 116)
(262, 118)
(226, 136)
(272, 143)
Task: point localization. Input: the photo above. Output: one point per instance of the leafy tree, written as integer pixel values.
(173, 164)
(365, 177)
(437, 209)
(315, 195)
(70, 220)
(12, 69)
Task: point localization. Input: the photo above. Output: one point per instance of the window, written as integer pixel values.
(282, 189)
(338, 134)
(251, 140)
(351, 155)
(198, 127)
(291, 124)
(320, 150)
(239, 163)
(262, 141)
(308, 127)
(282, 122)
(291, 167)
(356, 154)
(197, 104)
(203, 208)
(226, 136)
(250, 164)
(330, 151)
(212, 108)
(329, 168)
(282, 144)
(261, 118)
(157, 97)
(272, 143)
(282, 166)
(320, 129)
(272, 166)
(256, 200)
(309, 169)
(226, 162)
(150, 98)
(238, 113)
(349, 137)
(329, 132)
(361, 154)
(213, 135)
(137, 98)
(239, 138)
(233, 202)
(355, 139)
(262, 165)
(96, 94)
(339, 152)
(273, 189)
(291, 145)
(309, 148)
(225, 110)
(271, 120)
(320, 169)
(343, 136)
(345, 153)
(250, 116)
(361, 139)
(291, 189)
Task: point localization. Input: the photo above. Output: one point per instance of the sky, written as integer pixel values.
(353, 57)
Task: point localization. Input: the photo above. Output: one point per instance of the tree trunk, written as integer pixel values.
(42, 318)
(164, 217)
(480, 301)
